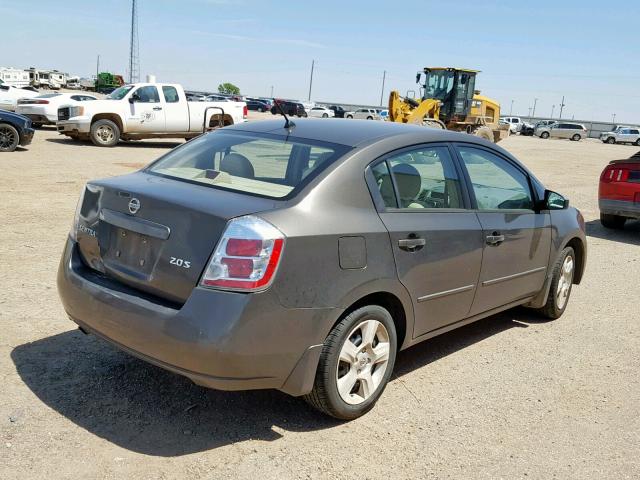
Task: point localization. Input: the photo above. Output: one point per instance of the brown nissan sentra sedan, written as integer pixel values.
(304, 258)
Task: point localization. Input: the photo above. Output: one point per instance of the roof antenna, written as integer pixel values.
(288, 124)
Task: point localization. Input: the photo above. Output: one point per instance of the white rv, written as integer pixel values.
(14, 77)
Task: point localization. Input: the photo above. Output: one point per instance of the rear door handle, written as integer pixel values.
(411, 244)
(157, 108)
(495, 239)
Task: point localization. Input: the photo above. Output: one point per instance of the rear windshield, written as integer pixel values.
(271, 166)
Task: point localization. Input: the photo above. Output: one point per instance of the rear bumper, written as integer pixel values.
(619, 207)
(37, 118)
(222, 340)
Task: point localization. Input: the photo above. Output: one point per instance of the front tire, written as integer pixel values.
(9, 138)
(637, 143)
(615, 222)
(356, 363)
(561, 283)
(544, 135)
(611, 140)
(324, 115)
(104, 133)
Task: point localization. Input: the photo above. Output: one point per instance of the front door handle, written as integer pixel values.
(157, 108)
(411, 244)
(495, 239)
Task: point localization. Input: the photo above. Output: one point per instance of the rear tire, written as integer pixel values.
(355, 364)
(9, 138)
(350, 116)
(637, 143)
(561, 283)
(615, 222)
(324, 115)
(369, 118)
(576, 138)
(105, 133)
(544, 135)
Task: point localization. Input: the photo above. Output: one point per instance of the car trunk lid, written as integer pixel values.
(154, 233)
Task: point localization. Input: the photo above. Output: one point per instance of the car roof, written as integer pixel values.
(355, 133)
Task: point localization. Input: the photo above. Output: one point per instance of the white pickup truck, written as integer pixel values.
(146, 110)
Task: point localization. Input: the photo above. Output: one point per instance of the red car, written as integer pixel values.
(619, 192)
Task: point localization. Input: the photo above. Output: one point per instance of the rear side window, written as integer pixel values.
(497, 184)
(267, 165)
(422, 178)
(170, 94)
(634, 132)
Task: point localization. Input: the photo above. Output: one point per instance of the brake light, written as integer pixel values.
(245, 111)
(246, 257)
(614, 175)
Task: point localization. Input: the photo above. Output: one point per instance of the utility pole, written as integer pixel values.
(511, 109)
(271, 91)
(529, 113)
(313, 62)
(613, 119)
(98, 66)
(384, 76)
(535, 101)
(134, 50)
(562, 105)
(553, 107)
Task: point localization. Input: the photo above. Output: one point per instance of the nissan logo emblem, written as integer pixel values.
(134, 206)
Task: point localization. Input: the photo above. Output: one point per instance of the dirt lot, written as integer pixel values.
(508, 397)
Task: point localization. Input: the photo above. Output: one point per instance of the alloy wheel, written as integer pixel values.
(104, 134)
(363, 361)
(7, 137)
(565, 281)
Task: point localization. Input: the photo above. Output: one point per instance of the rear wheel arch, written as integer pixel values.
(214, 121)
(389, 302)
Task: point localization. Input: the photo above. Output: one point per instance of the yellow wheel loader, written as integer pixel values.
(449, 101)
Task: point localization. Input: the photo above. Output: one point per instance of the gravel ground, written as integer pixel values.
(507, 397)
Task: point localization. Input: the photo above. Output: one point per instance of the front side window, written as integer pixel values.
(422, 178)
(497, 184)
(148, 94)
(272, 166)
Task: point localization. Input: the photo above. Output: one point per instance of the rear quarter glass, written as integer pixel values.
(266, 165)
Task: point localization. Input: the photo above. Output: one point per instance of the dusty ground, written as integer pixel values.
(508, 397)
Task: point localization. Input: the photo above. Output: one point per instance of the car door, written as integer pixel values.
(517, 237)
(146, 112)
(176, 113)
(634, 135)
(436, 241)
(624, 135)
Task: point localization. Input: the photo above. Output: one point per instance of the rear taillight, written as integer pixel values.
(246, 257)
(245, 111)
(33, 101)
(612, 174)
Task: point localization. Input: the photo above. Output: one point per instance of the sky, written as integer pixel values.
(585, 50)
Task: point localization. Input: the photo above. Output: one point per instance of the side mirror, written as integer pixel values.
(418, 75)
(134, 98)
(554, 201)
